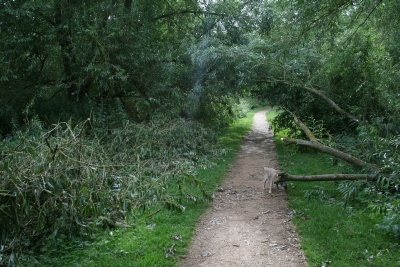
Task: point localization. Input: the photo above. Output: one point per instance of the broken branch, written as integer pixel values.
(305, 129)
(323, 148)
(325, 177)
(331, 151)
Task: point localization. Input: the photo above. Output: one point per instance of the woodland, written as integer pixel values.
(107, 104)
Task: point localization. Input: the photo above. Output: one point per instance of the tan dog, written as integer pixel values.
(272, 175)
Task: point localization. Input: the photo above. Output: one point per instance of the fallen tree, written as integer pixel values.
(283, 177)
(331, 151)
(315, 144)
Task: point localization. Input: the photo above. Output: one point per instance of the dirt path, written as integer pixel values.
(245, 225)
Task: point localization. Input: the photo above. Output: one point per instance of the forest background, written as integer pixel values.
(106, 104)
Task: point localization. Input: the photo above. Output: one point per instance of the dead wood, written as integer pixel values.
(305, 129)
(314, 143)
(331, 151)
(325, 177)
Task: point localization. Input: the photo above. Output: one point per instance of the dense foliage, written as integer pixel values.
(151, 74)
(73, 178)
(347, 53)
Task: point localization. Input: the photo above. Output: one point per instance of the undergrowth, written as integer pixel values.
(70, 182)
(71, 179)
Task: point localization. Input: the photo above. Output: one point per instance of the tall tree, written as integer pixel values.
(92, 51)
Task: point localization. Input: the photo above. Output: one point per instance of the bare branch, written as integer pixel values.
(196, 12)
(365, 20)
(313, 143)
(320, 94)
(325, 177)
(331, 151)
(305, 129)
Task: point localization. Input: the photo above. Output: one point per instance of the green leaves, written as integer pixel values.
(58, 182)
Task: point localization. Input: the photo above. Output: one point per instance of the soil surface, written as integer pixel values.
(247, 226)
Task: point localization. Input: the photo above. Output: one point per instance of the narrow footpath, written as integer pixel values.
(245, 225)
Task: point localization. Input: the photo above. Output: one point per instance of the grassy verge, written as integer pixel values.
(159, 237)
(332, 235)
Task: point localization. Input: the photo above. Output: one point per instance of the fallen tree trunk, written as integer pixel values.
(283, 177)
(314, 143)
(331, 151)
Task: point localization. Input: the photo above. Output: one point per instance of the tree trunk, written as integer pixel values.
(323, 148)
(325, 177)
(65, 49)
(331, 151)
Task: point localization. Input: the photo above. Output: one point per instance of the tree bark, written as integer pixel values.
(331, 151)
(325, 177)
(305, 129)
(63, 31)
(323, 148)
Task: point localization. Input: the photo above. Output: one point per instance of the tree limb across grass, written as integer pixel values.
(331, 151)
(325, 177)
(314, 143)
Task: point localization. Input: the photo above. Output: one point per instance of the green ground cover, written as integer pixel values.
(158, 237)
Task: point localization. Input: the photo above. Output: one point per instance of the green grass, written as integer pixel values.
(332, 235)
(159, 237)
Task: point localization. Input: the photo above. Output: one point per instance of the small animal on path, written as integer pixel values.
(272, 175)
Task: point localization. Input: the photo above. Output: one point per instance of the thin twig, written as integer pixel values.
(153, 213)
(365, 20)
